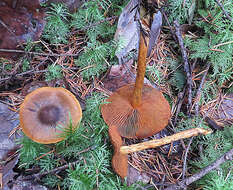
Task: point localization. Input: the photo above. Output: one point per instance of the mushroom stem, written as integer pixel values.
(141, 69)
(119, 160)
(166, 140)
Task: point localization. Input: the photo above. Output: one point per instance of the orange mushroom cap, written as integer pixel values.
(45, 111)
(150, 117)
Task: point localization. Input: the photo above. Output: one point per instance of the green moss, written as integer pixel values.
(57, 28)
(214, 146)
(54, 72)
(179, 10)
(217, 31)
(100, 49)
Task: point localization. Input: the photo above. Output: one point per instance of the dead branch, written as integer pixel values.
(187, 68)
(166, 140)
(170, 27)
(39, 175)
(185, 158)
(180, 100)
(199, 90)
(180, 185)
(36, 53)
(24, 73)
(223, 10)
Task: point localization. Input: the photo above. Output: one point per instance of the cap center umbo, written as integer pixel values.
(49, 115)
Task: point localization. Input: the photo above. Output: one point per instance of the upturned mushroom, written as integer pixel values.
(46, 112)
(134, 111)
(137, 110)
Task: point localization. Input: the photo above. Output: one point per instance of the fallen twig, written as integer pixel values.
(225, 157)
(196, 104)
(24, 73)
(172, 32)
(36, 53)
(39, 175)
(32, 71)
(223, 10)
(185, 158)
(162, 141)
(187, 68)
(180, 100)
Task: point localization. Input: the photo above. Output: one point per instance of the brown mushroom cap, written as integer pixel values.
(47, 109)
(147, 119)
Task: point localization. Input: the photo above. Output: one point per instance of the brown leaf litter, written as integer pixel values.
(20, 21)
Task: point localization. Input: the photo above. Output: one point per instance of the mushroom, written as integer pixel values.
(134, 111)
(46, 112)
(137, 110)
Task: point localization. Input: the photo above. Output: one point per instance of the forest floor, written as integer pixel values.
(91, 50)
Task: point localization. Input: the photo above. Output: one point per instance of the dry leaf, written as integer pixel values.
(220, 110)
(8, 120)
(155, 31)
(20, 21)
(127, 33)
(135, 176)
(7, 171)
(121, 75)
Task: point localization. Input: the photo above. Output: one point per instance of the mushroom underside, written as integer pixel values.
(147, 119)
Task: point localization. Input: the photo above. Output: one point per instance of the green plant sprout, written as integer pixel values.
(25, 65)
(57, 27)
(97, 54)
(54, 72)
